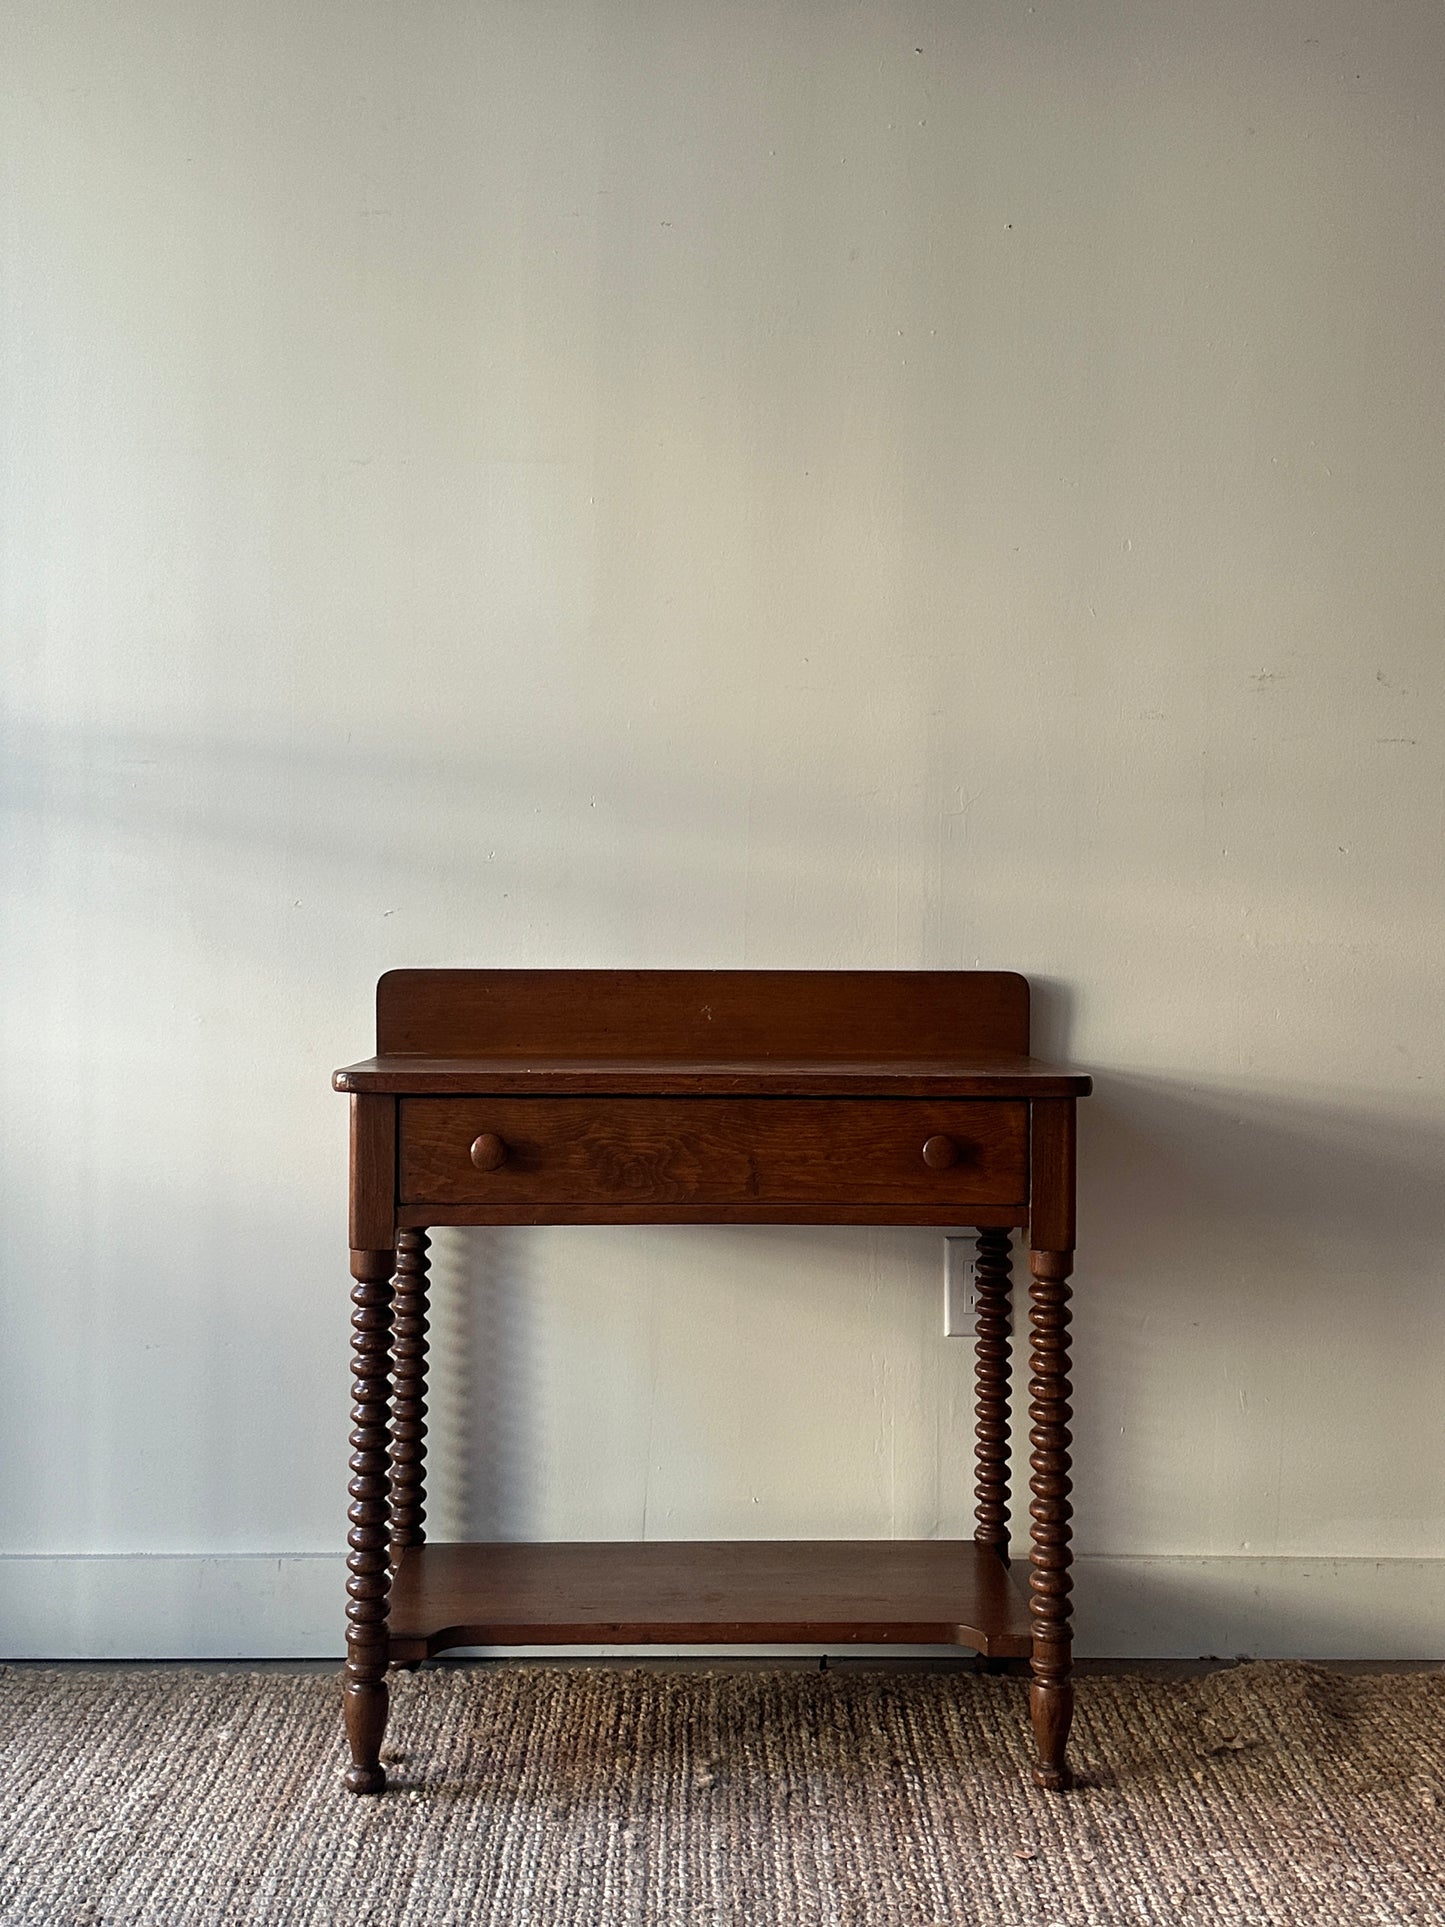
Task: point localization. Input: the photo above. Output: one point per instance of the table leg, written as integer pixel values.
(408, 1395)
(369, 1580)
(991, 1391)
(1051, 1695)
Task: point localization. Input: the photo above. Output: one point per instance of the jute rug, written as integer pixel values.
(536, 1795)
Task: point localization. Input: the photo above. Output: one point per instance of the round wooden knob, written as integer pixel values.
(488, 1151)
(939, 1152)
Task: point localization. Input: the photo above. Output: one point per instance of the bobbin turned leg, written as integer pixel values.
(408, 1393)
(1051, 1695)
(991, 1391)
(990, 1401)
(369, 1580)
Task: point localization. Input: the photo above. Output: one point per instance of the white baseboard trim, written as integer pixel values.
(291, 1606)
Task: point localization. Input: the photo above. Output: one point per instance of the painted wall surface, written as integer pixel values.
(780, 485)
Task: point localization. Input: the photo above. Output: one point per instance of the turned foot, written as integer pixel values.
(366, 1709)
(1052, 1710)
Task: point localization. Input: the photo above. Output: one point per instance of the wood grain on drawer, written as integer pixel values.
(621, 1150)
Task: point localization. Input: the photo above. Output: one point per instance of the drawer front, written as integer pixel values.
(701, 1150)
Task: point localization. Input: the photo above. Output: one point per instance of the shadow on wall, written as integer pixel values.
(1246, 1170)
(1260, 1608)
(477, 1445)
(1304, 1218)
(363, 829)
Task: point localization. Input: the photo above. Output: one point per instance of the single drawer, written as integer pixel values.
(712, 1150)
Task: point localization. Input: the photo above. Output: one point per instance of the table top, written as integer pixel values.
(410, 1074)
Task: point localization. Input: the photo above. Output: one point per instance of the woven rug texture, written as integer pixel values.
(533, 1796)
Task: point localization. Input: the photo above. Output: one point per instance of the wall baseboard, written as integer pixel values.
(290, 1606)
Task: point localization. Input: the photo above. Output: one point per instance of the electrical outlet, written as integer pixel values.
(960, 1287)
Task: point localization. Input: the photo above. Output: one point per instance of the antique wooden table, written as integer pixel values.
(706, 1097)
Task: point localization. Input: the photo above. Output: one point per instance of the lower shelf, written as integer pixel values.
(923, 1592)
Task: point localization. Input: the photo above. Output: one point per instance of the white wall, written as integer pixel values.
(775, 484)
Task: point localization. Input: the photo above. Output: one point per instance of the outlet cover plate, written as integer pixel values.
(960, 1286)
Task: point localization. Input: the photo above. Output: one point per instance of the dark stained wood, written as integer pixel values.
(867, 1076)
(825, 1211)
(373, 1173)
(644, 1150)
(707, 1014)
(707, 1097)
(364, 1686)
(924, 1592)
(1051, 1694)
(1051, 1160)
(408, 1391)
(991, 1391)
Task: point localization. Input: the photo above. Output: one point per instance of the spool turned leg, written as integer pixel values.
(990, 1400)
(408, 1393)
(369, 1580)
(991, 1392)
(1051, 1695)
